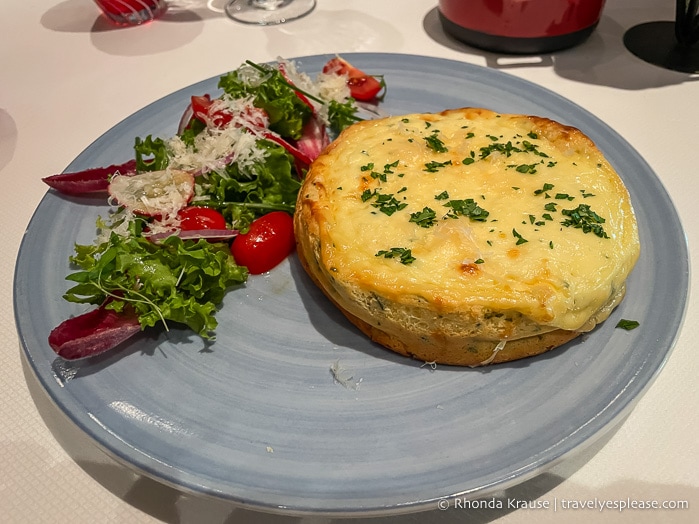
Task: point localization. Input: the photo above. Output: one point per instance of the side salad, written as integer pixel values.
(195, 214)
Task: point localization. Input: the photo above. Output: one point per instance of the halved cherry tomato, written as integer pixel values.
(194, 218)
(362, 86)
(201, 110)
(269, 241)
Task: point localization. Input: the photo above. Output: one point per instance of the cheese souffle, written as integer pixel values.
(467, 237)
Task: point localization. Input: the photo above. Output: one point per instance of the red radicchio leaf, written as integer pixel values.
(314, 140)
(196, 234)
(95, 180)
(93, 332)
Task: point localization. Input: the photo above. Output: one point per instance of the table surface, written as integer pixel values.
(67, 77)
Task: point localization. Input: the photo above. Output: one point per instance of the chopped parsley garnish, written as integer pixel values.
(467, 208)
(367, 194)
(378, 175)
(526, 169)
(509, 148)
(520, 239)
(506, 149)
(388, 168)
(387, 203)
(425, 218)
(404, 255)
(582, 217)
(433, 167)
(546, 187)
(531, 148)
(435, 144)
(442, 196)
(628, 325)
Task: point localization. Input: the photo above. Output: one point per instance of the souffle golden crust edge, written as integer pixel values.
(441, 236)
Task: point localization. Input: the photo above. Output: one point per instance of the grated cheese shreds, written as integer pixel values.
(216, 147)
(499, 347)
(154, 192)
(326, 87)
(343, 376)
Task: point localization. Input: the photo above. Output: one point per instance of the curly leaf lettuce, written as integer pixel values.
(177, 280)
(286, 111)
(242, 194)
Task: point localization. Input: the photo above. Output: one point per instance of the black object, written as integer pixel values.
(672, 45)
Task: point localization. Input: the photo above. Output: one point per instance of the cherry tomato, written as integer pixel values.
(362, 86)
(269, 241)
(201, 110)
(194, 218)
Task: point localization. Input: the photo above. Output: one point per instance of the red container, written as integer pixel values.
(520, 26)
(131, 12)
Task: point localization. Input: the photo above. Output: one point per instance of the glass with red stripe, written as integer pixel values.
(132, 12)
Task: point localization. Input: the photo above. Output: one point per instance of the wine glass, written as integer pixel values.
(669, 44)
(268, 12)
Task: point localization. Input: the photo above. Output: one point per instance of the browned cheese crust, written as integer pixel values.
(448, 237)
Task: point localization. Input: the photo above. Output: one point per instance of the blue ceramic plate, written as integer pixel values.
(258, 418)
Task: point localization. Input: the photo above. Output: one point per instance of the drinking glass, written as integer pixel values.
(131, 12)
(268, 12)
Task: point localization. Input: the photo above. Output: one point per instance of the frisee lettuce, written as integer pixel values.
(176, 280)
(262, 187)
(151, 154)
(287, 113)
(273, 93)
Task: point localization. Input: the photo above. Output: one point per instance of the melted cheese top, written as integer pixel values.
(469, 208)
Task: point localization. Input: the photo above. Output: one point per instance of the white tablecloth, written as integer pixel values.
(67, 77)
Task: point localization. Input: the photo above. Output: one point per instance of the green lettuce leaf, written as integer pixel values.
(287, 113)
(151, 154)
(242, 194)
(176, 280)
